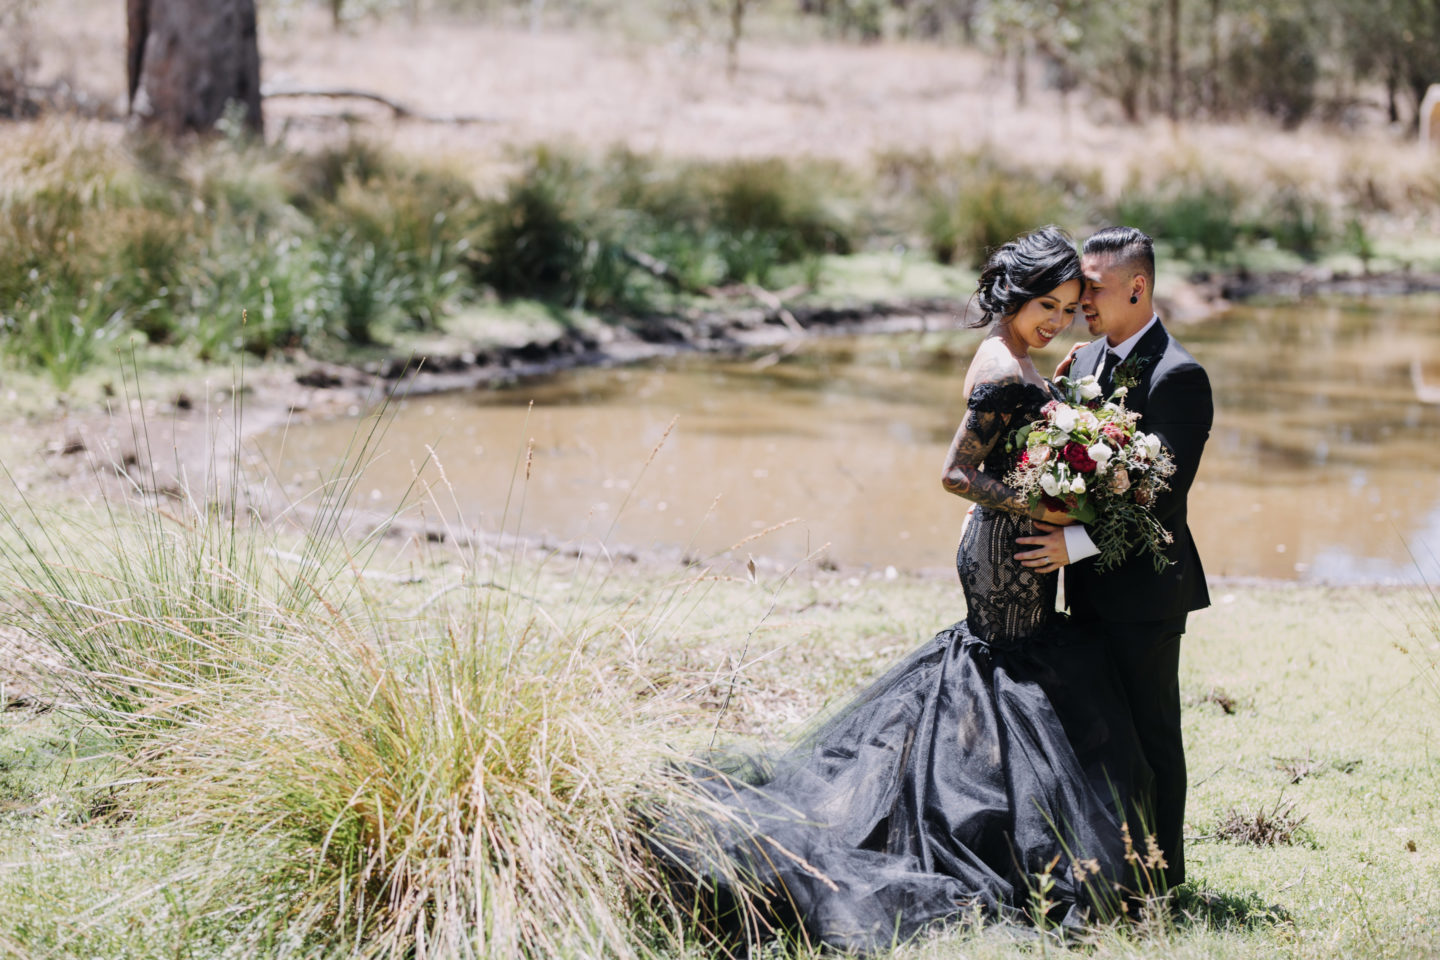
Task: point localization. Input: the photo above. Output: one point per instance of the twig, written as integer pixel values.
(400, 110)
(775, 305)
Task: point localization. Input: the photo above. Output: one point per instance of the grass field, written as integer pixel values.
(221, 783)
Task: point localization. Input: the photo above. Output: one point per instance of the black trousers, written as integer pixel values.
(1146, 660)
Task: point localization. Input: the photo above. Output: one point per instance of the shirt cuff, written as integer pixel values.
(1078, 544)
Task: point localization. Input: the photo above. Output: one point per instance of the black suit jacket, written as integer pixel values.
(1173, 400)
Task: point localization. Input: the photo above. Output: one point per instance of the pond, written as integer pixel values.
(1323, 465)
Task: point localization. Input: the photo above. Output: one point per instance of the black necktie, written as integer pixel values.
(1108, 363)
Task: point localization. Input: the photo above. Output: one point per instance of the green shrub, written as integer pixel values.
(974, 204)
(60, 330)
(1186, 212)
(790, 204)
(420, 221)
(1296, 221)
(363, 289)
(535, 234)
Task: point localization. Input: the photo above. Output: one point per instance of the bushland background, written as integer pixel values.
(233, 729)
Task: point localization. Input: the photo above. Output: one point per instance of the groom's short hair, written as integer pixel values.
(1127, 246)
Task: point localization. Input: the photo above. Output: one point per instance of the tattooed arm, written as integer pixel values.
(977, 436)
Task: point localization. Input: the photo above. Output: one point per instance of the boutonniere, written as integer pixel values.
(1128, 371)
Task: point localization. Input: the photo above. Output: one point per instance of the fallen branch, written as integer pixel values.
(774, 302)
(776, 306)
(400, 110)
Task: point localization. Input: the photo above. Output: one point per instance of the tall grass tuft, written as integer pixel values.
(460, 786)
(357, 771)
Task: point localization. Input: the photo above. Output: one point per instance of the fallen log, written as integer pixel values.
(400, 110)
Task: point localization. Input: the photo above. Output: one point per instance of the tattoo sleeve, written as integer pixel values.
(976, 438)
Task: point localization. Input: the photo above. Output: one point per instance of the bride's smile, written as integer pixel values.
(1043, 319)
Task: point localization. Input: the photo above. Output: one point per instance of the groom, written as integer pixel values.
(1139, 613)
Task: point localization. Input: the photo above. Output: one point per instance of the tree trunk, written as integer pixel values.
(1022, 85)
(1174, 60)
(189, 60)
(1213, 81)
(732, 43)
(1154, 95)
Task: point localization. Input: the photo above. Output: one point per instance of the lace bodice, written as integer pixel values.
(1005, 601)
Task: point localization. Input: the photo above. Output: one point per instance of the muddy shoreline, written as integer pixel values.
(752, 328)
(75, 447)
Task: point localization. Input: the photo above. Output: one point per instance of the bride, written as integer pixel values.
(986, 775)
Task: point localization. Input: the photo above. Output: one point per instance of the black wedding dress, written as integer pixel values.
(942, 791)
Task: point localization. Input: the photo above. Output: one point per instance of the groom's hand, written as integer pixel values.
(1049, 554)
(1063, 368)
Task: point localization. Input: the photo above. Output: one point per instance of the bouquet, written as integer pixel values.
(1086, 458)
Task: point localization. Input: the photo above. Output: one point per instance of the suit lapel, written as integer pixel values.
(1146, 357)
(1153, 344)
(1088, 360)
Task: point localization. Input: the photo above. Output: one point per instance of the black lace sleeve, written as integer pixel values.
(996, 396)
(990, 407)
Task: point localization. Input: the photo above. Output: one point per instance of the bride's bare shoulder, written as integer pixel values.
(993, 363)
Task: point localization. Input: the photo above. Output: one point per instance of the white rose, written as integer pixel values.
(1077, 485)
(1064, 418)
(1088, 388)
(1050, 485)
(1040, 455)
(1088, 420)
(1150, 444)
(1100, 453)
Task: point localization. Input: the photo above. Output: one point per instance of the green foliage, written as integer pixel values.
(236, 247)
(1296, 221)
(536, 232)
(1188, 210)
(967, 205)
(61, 330)
(1276, 67)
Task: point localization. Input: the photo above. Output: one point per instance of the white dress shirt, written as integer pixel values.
(1078, 544)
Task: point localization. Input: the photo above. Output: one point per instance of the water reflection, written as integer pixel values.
(1322, 465)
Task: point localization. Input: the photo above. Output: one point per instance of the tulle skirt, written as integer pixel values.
(967, 782)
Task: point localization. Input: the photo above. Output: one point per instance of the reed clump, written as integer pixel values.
(318, 763)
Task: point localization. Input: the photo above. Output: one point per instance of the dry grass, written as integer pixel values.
(662, 92)
(1266, 827)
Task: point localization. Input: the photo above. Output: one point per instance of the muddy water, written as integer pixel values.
(1324, 463)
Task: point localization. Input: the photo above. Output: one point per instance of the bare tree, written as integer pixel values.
(188, 60)
(732, 42)
(1174, 60)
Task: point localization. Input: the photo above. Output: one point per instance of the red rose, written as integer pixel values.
(1053, 503)
(1076, 455)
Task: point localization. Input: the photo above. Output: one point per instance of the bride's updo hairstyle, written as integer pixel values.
(1027, 267)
